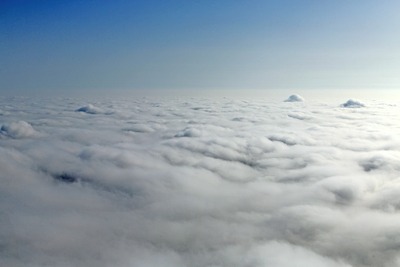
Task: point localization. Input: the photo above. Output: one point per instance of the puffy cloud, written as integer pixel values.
(19, 129)
(278, 254)
(90, 109)
(352, 104)
(199, 182)
(294, 98)
(139, 128)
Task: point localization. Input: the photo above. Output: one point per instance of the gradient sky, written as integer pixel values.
(70, 45)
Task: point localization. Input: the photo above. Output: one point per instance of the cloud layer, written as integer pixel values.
(198, 182)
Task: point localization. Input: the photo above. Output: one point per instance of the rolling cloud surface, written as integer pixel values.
(198, 182)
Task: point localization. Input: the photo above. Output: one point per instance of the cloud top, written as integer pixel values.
(90, 109)
(19, 129)
(294, 98)
(352, 104)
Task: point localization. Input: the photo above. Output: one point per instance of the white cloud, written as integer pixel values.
(90, 109)
(294, 98)
(198, 182)
(286, 255)
(352, 104)
(19, 129)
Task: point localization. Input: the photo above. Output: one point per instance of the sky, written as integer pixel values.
(96, 46)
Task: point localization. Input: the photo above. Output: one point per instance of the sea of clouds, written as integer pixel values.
(199, 182)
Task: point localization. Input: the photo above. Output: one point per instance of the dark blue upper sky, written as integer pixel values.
(141, 45)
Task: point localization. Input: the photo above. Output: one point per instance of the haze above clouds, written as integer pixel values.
(198, 182)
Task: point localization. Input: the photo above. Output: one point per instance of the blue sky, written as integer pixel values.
(74, 46)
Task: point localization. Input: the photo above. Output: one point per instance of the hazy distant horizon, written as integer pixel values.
(310, 95)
